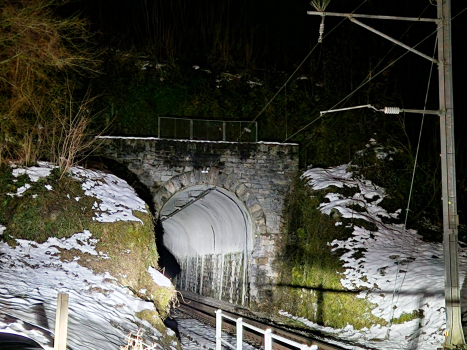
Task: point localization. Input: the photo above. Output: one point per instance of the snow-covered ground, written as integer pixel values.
(101, 312)
(403, 273)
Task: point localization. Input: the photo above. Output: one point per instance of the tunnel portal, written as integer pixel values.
(220, 206)
(209, 232)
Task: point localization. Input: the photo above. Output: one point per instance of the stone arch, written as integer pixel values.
(215, 178)
(222, 265)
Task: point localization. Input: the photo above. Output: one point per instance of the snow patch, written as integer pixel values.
(400, 272)
(117, 199)
(159, 278)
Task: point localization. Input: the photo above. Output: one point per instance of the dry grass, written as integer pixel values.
(130, 245)
(39, 53)
(135, 342)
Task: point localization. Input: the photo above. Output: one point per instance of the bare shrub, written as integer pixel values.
(70, 136)
(135, 342)
(38, 51)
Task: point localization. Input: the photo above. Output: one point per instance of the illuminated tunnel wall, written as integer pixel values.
(226, 239)
(209, 231)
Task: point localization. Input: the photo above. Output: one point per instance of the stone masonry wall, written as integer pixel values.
(259, 174)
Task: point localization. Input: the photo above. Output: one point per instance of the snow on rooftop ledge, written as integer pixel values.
(185, 140)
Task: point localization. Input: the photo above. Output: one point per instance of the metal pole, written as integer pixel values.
(239, 334)
(267, 339)
(223, 131)
(218, 329)
(396, 18)
(454, 332)
(159, 128)
(393, 40)
(256, 127)
(191, 129)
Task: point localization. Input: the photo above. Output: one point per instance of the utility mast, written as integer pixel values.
(454, 333)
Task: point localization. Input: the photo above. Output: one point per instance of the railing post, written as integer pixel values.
(267, 339)
(191, 129)
(61, 322)
(256, 131)
(239, 334)
(159, 127)
(311, 347)
(218, 329)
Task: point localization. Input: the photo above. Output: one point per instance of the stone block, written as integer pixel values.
(165, 178)
(184, 180)
(169, 186)
(261, 261)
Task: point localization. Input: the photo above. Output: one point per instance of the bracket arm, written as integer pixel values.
(393, 40)
(337, 14)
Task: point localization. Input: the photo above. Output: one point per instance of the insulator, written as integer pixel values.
(392, 110)
(321, 31)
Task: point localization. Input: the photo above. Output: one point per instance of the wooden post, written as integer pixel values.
(61, 322)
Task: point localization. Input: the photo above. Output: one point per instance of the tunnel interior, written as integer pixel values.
(203, 220)
(209, 232)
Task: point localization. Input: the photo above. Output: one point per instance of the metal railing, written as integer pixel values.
(209, 130)
(268, 335)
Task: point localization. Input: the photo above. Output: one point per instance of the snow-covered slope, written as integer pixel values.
(403, 274)
(101, 310)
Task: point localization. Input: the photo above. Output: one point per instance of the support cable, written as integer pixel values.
(299, 66)
(408, 204)
(370, 78)
(287, 81)
(359, 87)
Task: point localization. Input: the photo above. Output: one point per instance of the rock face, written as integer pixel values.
(255, 177)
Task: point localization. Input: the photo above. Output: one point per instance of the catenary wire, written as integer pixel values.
(298, 68)
(359, 87)
(395, 291)
(285, 84)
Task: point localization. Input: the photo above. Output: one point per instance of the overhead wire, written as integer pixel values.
(408, 203)
(298, 68)
(360, 86)
(285, 84)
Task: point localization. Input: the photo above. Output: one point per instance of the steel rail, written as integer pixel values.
(206, 314)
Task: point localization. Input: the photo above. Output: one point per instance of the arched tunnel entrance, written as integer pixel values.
(209, 231)
(251, 181)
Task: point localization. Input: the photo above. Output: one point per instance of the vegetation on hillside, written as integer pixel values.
(310, 284)
(129, 245)
(311, 268)
(146, 67)
(43, 60)
(190, 60)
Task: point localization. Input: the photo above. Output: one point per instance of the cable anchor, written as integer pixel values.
(392, 110)
(321, 30)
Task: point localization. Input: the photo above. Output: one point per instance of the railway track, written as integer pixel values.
(204, 312)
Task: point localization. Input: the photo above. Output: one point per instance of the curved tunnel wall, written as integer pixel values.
(215, 223)
(209, 231)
